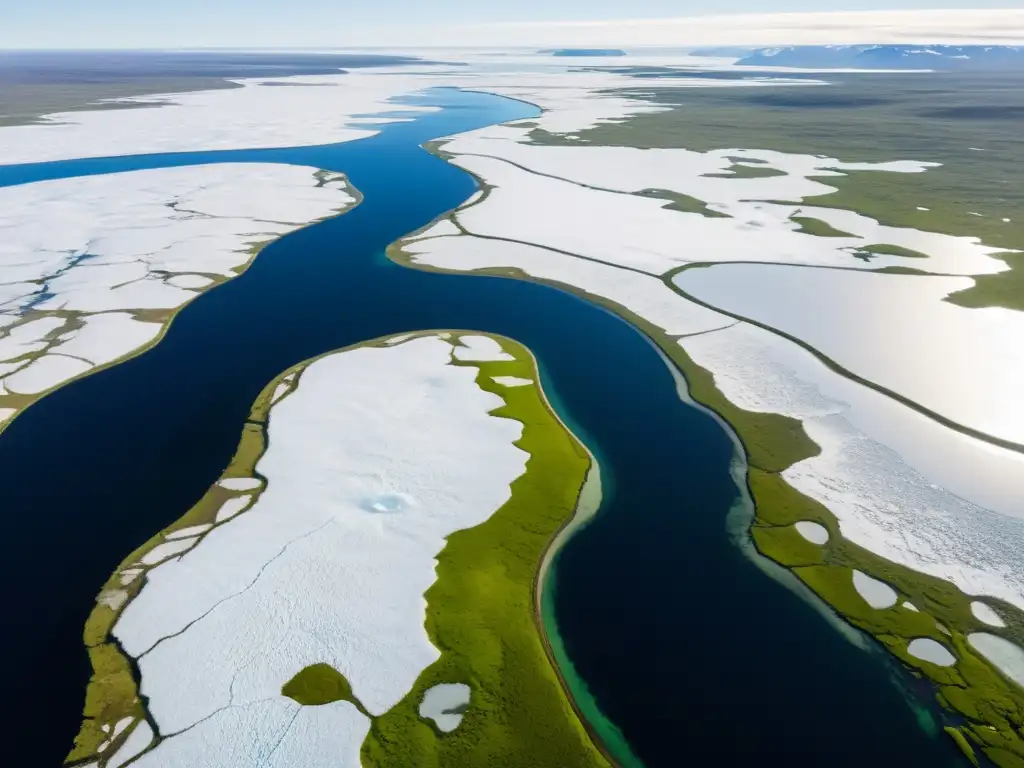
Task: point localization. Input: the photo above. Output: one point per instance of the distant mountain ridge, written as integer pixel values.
(945, 57)
(600, 52)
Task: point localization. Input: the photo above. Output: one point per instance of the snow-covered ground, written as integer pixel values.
(887, 473)
(82, 260)
(876, 593)
(377, 455)
(644, 295)
(442, 704)
(323, 109)
(901, 484)
(893, 330)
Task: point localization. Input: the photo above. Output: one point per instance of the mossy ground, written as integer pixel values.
(163, 317)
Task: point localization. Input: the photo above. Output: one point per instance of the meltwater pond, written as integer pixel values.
(682, 642)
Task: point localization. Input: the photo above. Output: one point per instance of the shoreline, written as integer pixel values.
(166, 317)
(122, 698)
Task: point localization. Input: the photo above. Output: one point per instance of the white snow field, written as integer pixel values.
(81, 258)
(893, 330)
(565, 198)
(886, 472)
(376, 457)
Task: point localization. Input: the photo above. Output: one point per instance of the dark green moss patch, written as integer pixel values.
(746, 170)
(683, 203)
(320, 684)
(881, 249)
(809, 225)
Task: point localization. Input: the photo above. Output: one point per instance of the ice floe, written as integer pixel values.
(378, 455)
(82, 260)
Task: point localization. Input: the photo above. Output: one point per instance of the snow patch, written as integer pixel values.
(926, 649)
(983, 612)
(444, 705)
(813, 532)
(876, 593)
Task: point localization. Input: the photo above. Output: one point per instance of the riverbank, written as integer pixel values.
(86, 296)
(975, 692)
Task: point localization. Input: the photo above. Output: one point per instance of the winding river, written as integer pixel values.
(673, 632)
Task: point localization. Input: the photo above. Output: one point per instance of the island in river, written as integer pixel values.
(425, 473)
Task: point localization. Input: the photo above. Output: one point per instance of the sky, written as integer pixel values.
(335, 23)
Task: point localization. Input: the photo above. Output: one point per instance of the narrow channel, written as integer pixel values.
(683, 643)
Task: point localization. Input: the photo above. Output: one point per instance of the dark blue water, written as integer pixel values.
(692, 651)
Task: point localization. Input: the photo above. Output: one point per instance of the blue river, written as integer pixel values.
(682, 642)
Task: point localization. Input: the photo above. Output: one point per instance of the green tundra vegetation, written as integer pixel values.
(482, 613)
(320, 684)
(967, 122)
